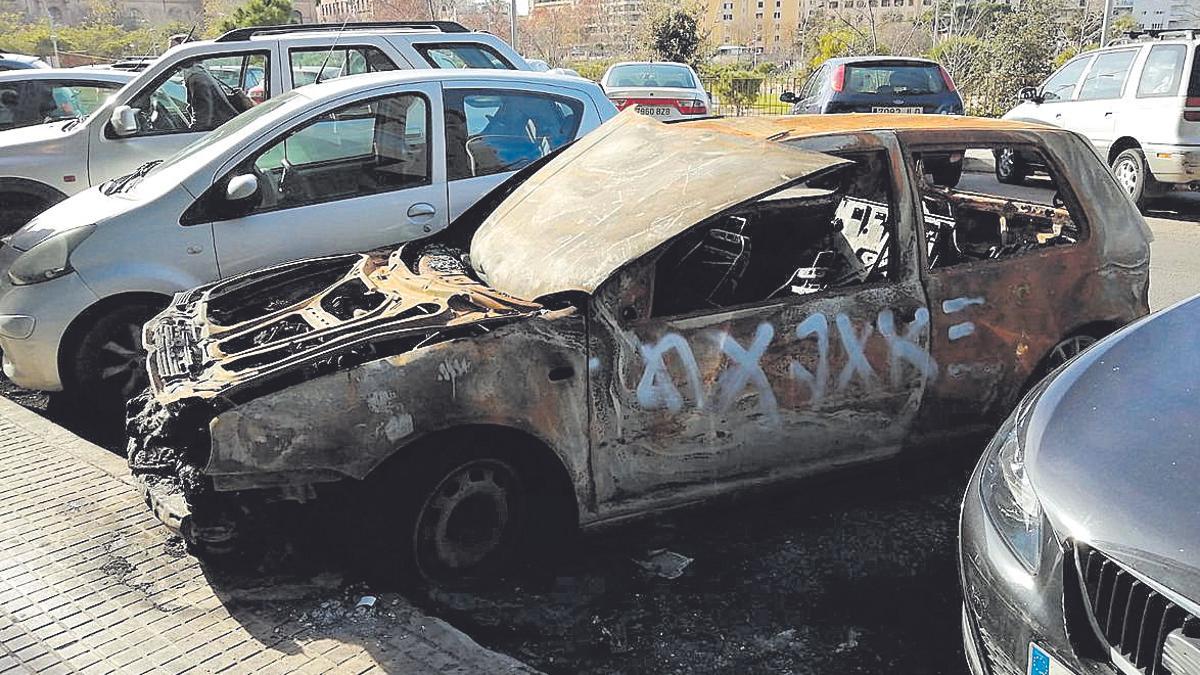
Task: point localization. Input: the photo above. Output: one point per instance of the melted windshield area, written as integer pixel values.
(651, 75)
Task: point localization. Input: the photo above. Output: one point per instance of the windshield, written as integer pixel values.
(230, 128)
(892, 78)
(651, 75)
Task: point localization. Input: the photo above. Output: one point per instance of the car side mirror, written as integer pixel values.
(787, 97)
(241, 189)
(124, 120)
(1029, 94)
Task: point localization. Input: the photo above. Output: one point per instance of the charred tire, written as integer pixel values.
(108, 366)
(1010, 168)
(1133, 175)
(18, 208)
(457, 516)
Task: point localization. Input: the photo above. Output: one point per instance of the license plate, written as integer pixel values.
(898, 109)
(1042, 663)
(655, 110)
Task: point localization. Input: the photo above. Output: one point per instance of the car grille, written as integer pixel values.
(998, 661)
(176, 353)
(1133, 618)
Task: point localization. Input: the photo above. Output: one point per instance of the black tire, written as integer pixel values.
(1133, 175)
(457, 515)
(108, 366)
(948, 175)
(18, 208)
(1010, 168)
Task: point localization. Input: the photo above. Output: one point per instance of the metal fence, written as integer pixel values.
(758, 95)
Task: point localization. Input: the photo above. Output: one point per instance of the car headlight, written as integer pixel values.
(49, 258)
(1008, 496)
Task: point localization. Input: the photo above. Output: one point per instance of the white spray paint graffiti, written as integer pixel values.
(743, 368)
(960, 330)
(450, 370)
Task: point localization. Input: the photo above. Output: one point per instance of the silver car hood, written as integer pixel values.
(1113, 449)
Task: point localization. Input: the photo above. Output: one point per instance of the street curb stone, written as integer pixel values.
(90, 582)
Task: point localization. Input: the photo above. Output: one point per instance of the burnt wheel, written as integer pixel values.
(1067, 350)
(453, 517)
(109, 364)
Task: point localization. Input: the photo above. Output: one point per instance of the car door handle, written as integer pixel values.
(421, 210)
(195, 250)
(1108, 114)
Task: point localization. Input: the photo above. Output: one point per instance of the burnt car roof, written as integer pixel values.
(619, 193)
(779, 127)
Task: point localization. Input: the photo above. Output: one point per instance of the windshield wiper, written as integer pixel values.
(72, 124)
(122, 183)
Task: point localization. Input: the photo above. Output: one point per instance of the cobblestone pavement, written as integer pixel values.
(91, 582)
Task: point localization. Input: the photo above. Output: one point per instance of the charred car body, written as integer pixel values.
(656, 315)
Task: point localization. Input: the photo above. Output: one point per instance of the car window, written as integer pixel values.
(831, 232)
(356, 150)
(970, 216)
(59, 100)
(1061, 85)
(202, 93)
(651, 75)
(308, 64)
(1162, 72)
(463, 55)
(10, 106)
(812, 85)
(1106, 79)
(493, 131)
(887, 79)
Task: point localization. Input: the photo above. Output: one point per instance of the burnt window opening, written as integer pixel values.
(991, 203)
(232, 306)
(833, 231)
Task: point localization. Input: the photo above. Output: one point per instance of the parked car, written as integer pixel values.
(1137, 102)
(879, 84)
(666, 91)
(192, 90)
(344, 166)
(1078, 550)
(20, 62)
(40, 95)
(747, 311)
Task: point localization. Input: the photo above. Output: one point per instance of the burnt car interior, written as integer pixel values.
(974, 217)
(831, 231)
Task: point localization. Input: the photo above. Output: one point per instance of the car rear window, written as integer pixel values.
(1194, 83)
(651, 75)
(1162, 72)
(894, 78)
(463, 55)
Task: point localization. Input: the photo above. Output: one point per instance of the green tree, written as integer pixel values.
(259, 13)
(738, 88)
(675, 36)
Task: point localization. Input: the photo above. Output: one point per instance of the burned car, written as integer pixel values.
(659, 314)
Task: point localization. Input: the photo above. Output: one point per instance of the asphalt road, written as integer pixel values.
(853, 573)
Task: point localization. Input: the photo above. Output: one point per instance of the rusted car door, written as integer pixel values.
(996, 313)
(686, 404)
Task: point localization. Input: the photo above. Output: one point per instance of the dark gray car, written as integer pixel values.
(1080, 537)
(879, 84)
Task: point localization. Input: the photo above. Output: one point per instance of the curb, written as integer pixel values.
(86, 452)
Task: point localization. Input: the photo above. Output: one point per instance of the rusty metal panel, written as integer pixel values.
(620, 192)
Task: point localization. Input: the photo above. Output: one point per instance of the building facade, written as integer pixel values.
(1161, 14)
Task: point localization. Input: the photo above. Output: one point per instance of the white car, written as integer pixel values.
(40, 95)
(349, 165)
(1137, 102)
(665, 91)
(198, 86)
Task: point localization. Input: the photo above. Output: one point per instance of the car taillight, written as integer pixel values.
(620, 103)
(1192, 115)
(839, 78)
(691, 106)
(946, 78)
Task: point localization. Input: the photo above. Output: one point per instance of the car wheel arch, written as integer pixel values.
(1121, 145)
(31, 188)
(538, 460)
(79, 325)
(1094, 329)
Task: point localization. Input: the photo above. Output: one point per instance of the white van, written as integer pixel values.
(1139, 104)
(348, 165)
(198, 86)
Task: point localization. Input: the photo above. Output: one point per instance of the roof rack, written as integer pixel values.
(1159, 33)
(239, 34)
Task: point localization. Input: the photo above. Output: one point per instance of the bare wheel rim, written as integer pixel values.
(122, 363)
(1006, 161)
(470, 519)
(1127, 173)
(1070, 348)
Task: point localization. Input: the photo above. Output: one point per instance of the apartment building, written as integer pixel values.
(1161, 14)
(771, 26)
